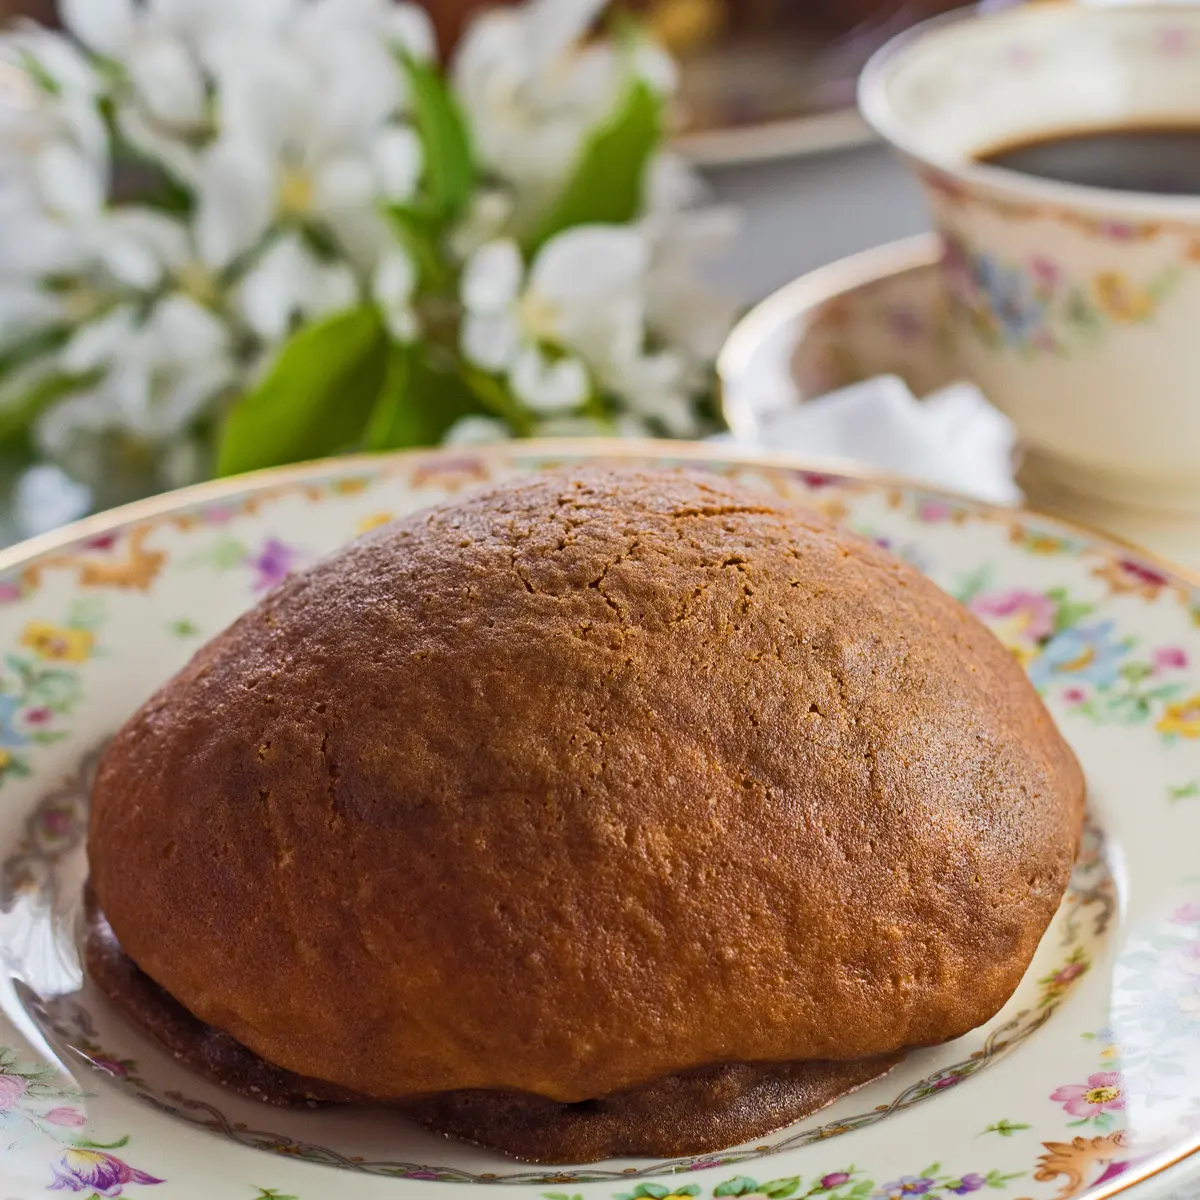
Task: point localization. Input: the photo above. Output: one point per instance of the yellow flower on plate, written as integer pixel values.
(373, 522)
(1182, 718)
(1121, 299)
(5, 761)
(58, 643)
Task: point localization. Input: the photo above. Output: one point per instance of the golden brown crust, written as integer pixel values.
(587, 780)
(693, 1113)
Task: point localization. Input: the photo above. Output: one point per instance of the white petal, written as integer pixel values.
(186, 332)
(287, 280)
(58, 57)
(185, 460)
(168, 80)
(45, 497)
(672, 184)
(590, 261)
(394, 282)
(98, 342)
(269, 292)
(409, 28)
(331, 288)
(104, 25)
(174, 156)
(490, 342)
(362, 234)
(139, 245)
(24, 309)
(83, 123)
(269, 96)
(402, 324)
(652, 64)
(491, 280)
(69, 184)
(552, 26)
(343, 183)
(485, 221)
(549, 387)
(476, 430)
(398, 161)
(176, 405)
(236, 195)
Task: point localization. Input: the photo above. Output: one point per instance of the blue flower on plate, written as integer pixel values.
(1012, 298)
(1084, 654)
(10, 708)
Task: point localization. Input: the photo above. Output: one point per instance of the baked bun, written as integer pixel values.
(589, 780)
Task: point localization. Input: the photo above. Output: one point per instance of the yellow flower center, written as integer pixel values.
(81, 303)
(295, 192)
(1082, 661)
(1101, 1095)
(197, 281)
(539, 317)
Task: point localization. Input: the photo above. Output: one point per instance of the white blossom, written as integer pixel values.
(287, 128)
(579, 317)
(393, 288)
(533, 88)
(288, 282)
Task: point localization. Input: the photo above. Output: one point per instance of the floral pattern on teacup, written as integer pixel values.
(1035, 307)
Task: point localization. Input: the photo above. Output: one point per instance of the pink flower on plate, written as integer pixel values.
(9, 591)
(109, 1066)
(66, 1117)
(1175, 41)
(1069, 973)
(1187, 914)
(1074, 696)
(1102, 1093)
(96, 1171)
(934, 512)
(39, 716)
(12, 1089)
(1020, 619)
(1045, 271)
(1170, 658)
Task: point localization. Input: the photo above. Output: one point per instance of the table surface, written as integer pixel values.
(805, 212)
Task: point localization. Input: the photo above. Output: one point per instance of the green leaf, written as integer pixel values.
(739, 1185)
(1005, 1128)
(653, 1190)
(780, 1188)
(449, 171)
(862, 1188)
(608, 182)
(418, 233)
(86, 612)
(417, 402)
(315, 401)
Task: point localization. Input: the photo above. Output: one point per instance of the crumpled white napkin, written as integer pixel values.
(953, 439)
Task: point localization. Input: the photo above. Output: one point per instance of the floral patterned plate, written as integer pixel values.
(1086, 1084)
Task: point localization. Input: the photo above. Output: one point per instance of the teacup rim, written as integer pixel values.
(879, 113)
